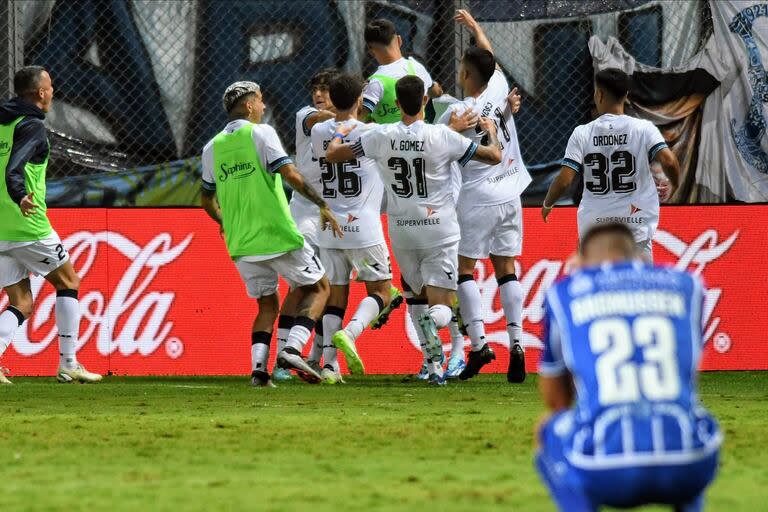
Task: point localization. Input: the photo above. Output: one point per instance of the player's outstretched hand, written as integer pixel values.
(465, 121)
(28, 207)
(328, 219)
(514, 101)
(463, 17)
(488, 125)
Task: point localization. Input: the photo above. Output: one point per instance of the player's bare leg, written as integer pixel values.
(261, 336)
(20, 302)
(67, 283)
(311, 305)
(511, 294)
(379, 298)
(470, 303)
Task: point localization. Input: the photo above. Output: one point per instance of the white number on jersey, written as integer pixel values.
(621, 380)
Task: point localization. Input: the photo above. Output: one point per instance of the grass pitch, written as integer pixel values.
(377, 443)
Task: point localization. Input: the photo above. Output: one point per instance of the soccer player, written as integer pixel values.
(414, 160)
(616, 151)
(28, 242)
(489, 209)
(384, 43)
(242, 192)
(622, 344)
(306, 214)
(353, 190)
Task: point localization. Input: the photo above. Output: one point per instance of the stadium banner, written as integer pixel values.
(160, 296)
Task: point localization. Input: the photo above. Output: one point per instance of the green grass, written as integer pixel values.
(375, 444)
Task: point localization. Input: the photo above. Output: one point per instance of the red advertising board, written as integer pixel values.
(159, 295)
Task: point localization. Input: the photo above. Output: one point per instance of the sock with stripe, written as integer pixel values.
(67, 314)
(332, 320)
(10, 320)
(471, 310)
(260, 341)
(512, 301)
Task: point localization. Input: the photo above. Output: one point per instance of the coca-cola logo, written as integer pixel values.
(539, 277)
(142, 315)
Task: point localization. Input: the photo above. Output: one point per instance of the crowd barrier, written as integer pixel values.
(160, 296)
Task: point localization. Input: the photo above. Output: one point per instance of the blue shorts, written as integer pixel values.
(577, 490)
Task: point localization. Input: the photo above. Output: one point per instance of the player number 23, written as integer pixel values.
(622, 380)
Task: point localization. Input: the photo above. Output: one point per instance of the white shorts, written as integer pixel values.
(436, 266)
(307, 218)
(299, 267)
(370, 264)
(486, 230)
(40, 257)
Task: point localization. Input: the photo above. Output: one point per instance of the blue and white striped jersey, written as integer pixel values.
(631, 336)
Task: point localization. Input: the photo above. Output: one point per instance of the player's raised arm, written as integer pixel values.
(463, 17)
(490, 154)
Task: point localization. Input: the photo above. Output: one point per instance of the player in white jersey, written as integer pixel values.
(383, 44)
(353, 190)
(615, 152)
(414, 160)
(305, 213)
(489, 207)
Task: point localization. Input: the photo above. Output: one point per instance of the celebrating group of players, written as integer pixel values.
(451, 191)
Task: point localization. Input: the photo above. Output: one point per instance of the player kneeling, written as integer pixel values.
(354, 192)
(631, 430)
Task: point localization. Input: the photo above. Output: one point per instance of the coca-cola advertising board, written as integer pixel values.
(160, 296)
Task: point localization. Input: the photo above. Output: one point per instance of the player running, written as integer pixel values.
(28, 242)
(489, 207)
(617, 151)
(243, 194)
(306, 214)
(622, 345)
(414, 160)
(353, 190)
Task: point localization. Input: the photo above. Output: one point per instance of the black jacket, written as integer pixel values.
(30, 143)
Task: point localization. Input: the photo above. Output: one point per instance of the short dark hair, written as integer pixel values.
(616, 229)
(322, 79)
(410, 92)
(614, 81)
(345, 89)
(379, 31)
(481, 62)
(27, 79)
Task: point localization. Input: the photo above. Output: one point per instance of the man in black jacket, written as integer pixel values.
(28, 243)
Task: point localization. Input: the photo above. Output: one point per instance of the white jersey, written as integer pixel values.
(614, 153)
(300, 205)
(352, 189)
(415, 165)
(484, 184)
(374, 90)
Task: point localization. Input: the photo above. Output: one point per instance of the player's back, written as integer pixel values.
(616, 152)
(352, 189)
(630, 334)
(487, 184)
(414, 163)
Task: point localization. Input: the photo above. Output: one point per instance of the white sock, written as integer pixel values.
(369, 308)
(68, 322)
(300, 333)
(284, 324)
(331, 325)
(10, 320)
(316, 350)
(471, 312)
(457, 339)
(441, 314)
(260, 350)
(512, 301)
(416, 311)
